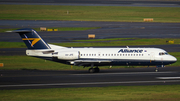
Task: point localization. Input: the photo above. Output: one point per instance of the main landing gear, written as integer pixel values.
(94, 70)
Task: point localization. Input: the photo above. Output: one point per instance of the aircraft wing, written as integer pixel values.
(89, 62)
(99, 61)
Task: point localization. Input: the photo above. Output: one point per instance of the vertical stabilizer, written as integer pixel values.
(32, 39)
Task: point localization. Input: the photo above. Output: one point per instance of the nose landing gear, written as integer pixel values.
(156, 70)
(157, 67)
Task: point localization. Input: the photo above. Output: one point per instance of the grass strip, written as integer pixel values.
(58, 28)
(12, 45)
(109, 39)
(89, 13)
(32, 63)
(117, 93)
(101, 42)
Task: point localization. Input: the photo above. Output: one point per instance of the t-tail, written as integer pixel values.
(32, 39)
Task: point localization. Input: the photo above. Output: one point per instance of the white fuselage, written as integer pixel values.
(106, 56)
(37, 47)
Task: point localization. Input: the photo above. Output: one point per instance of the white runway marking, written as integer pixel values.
(88, 83)
(165, 78)
(124, 73)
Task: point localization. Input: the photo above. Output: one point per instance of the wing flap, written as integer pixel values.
(91, 61)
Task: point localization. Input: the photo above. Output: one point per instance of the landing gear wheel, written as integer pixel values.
(156, 70)
(96, 70)
(91, 70)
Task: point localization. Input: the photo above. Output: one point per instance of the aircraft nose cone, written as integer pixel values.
(173, 59)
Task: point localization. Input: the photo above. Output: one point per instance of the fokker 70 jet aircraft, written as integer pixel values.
(93, 57)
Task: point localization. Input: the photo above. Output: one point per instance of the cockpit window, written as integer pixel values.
(163, 53)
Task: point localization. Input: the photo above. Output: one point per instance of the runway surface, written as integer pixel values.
(106, 30)
(144, 3)
(35, 79)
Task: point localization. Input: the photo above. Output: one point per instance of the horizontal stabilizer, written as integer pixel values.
(20, 31)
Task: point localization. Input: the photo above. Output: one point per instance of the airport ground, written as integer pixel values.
(142, 84)
(38, 79)
(78, 79)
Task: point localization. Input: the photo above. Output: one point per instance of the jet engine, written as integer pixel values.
(68, 55)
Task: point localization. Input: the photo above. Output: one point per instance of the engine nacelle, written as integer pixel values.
(68, 55)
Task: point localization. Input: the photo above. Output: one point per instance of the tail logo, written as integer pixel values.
(34, 40)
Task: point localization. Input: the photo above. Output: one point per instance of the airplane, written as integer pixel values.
(93, 57)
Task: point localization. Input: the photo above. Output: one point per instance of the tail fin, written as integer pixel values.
(32, 39)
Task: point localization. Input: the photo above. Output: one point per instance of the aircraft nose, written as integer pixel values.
(173, 59)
